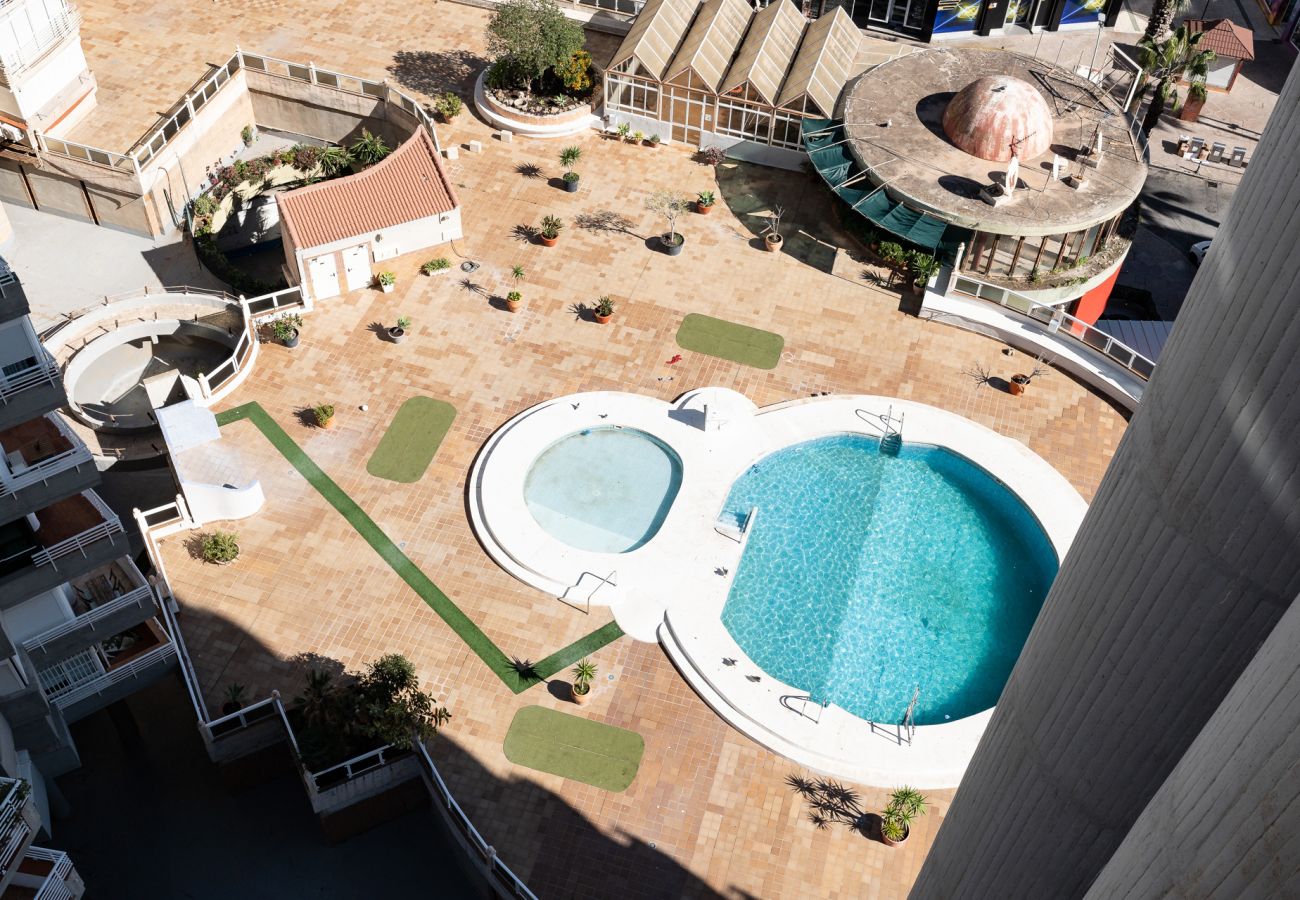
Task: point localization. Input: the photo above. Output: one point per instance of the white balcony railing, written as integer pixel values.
(47, 38)
(16, 827)
(78, 543)
(97, 684)
(39, 375)
(12, 482)
(88, 620)
(58, 882)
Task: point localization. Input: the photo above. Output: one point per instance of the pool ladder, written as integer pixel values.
(891, 441)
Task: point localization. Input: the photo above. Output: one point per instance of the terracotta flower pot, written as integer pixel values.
(907, 831)
(702, 209)
(1016, 386)
(579, 699)
(513, 305)
(328, 423)
(772, 243)
(547, 242)
(603, 320)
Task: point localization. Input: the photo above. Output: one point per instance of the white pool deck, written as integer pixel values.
(673, 588)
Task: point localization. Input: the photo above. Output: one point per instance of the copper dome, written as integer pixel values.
(996, 115)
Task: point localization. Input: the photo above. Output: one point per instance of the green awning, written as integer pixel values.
(829, 151)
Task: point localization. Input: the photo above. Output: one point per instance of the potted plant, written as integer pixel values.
(704, 201)
(234, 700)
(569, 157)
(1019, 382)
(638, 137)
(772, 234)
(892, 253)
(387, 280)
(604, 310)
(654, 140)
(670, 205)
(324, 415)
(905, 806)
(923, 267)
(514, 298)
(550, 230)
(583, 674)
(435, 266)
(623, 130)
(398, 331)
(287, 329)
(448, 106)
(220, 548)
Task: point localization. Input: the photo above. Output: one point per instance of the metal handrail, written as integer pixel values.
(44, 470)
(77, 543)
(23, 57)
(352, 768)
(55, 885)
(1052, 318)
(88, 619)
(10, 820)
(41, 373)
(466, 827)
(81, 690)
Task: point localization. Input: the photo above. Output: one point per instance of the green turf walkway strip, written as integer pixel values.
(440, 603)
(573, 747)
(408, 446)
(738, 343)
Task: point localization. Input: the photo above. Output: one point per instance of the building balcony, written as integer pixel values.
(66, 539)
(52, 26)
(19, 822)
(45, 875)
(30, 383)
(107, 601)
(108, 671)
(41, 461)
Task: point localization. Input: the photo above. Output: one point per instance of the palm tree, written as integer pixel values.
(369, 148)
(317, 703)
(1178, 56)
(1162, 18)
(334, 160)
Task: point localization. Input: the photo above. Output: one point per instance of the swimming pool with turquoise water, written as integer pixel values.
(868, 576)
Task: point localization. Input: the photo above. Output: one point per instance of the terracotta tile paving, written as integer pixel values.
(710, 812)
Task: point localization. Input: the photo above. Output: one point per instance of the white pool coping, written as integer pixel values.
(672, 588)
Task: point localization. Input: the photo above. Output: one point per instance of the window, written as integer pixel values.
(16, 368)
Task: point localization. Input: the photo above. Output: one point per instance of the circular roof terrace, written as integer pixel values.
(899, 116)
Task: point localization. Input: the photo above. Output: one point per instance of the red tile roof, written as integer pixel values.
(408, 184)
(1225, 37)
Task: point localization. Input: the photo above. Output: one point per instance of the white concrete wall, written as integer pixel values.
(37, 87)
(409, 237)
(1185, 564)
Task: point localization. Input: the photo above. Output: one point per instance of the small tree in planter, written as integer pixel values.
(387, 281)
(923, 267)
(287, 329)
(1019, 382)
(324, 415)
(514, 299)
(434, 266)
(704, 201)
(905, 806)
(220, 548)
(583, 675)
(234, 699)
(670, 205)
(397, 333)
(772, 234)
(550, 231)
(448, 106)
(604, 310)
(569, 157)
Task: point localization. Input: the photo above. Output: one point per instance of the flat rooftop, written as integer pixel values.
(923, 167)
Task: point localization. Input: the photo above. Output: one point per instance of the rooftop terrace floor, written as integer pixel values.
(710, 811)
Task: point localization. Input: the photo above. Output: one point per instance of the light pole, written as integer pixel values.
(1101, 26)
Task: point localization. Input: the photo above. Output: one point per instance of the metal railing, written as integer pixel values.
(513, 884)
(241, 718)
(14, 829)
(1055, 321)
(180, 115)
(86, 153)
(42, 373)
(352, 768)
(16, 60)
(265, 306)
(43, 470)
(78, 691)
(110, 526)
(55, 886)
(88, 619)
(274, 303)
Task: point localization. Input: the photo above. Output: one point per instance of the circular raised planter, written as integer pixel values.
(559, 125)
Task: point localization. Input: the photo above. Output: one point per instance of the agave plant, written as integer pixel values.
(369, 148)
(906, 804)
(583, 674)
(333, 160)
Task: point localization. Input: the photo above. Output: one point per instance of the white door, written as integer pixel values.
(324, 276)
(356, 267)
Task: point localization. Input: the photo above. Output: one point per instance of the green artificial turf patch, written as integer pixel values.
(408, 446)
(440, 603)
(573, 747)
(727, 340)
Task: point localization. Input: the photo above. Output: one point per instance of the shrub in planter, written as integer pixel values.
(448, 105)
(286, 330)
(304, 157)
(712, 156)
(234, 699)
(441, 264)
(892, 252)
(387, 281)
(569, 158)
(704, 202)
(624, 130)
(368, 149)
(922, 267)
(398, 331)
(220, 548)
(583, 675)
(905, 806)
(247, 135)
(333, 160)
(604, 310)
(638, 137)
(324, 415)
(670, 205)
(654, 140)
(550, 230)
